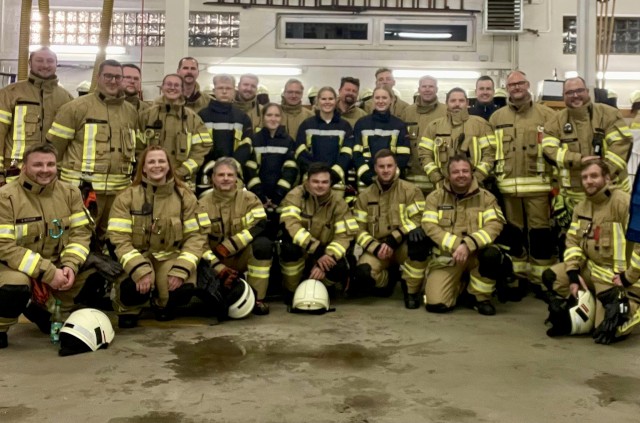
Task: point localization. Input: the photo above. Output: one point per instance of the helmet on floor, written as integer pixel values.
(241, 300)
(85, 330)
(311, 295)
(583, 314)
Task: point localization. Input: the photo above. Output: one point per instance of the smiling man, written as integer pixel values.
(246, 98)
(485, 91)
(37, 203)
(27, 109)
(586, 131)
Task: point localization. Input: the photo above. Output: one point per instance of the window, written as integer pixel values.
(299, 30)
(71, 27)
(434, 32)
(625, 39)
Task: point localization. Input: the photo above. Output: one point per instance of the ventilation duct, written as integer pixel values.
(503, 16)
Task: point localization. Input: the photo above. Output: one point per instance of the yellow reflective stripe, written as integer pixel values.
(448, 241)
(258, 272)
(163, 255)
(120, 225)
(635, 261)
(290, 163)
(573, 253)
(346, 150)
(76, 249)
(550, 142)
(244, 237)
(100, 181)
(627, 326)
(483, 167)
(336, 168)
(338, 250)
(253, 182)
(574, 228)
(483, 236)
(407, 223)
(89, 147)
(602, 273)
(430, 217)
(126, 258)
(362, 169)
(615, 159)
(364, 239)
(62, 131)
(203, 220)
(209, 256)
(413, 209)
(352, 225)
(253, 215)
(340, 227)
(190, 225)
(412, 272)
(426, 143)
(560, 156)
(29, 263)
(619, 248)
(187, 256)
(284, 184)
(524, 184)
(292, 269)
(291, 211)
(301, 237)
(5, 117)
(7, 232)
(191, 165)
(403, 150)
(21, 231)
(499, 135)
(536, 272)
(480, 286)
(489, 214)
(19, 134)
(360, 215)
(78, 219)
(617, 134)
(300, 150)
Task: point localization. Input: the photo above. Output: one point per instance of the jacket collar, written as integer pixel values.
(381, 188)
(35, 188)
(581, 113)
(473, 189)
(334, 119)
(43, 84)
(601, 196)
(107, 99)
(154, 189)
(520, 107)
(458, 118)
(424, 108)
(381, 116)
(292, 110)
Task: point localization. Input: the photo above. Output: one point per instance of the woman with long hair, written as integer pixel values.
(157, 235)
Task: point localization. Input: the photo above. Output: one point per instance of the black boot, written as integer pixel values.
(412, 301)
(39, 316)
(4, 341)
(127, 321)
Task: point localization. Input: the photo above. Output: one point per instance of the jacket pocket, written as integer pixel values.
(140, 226)
(182, 146)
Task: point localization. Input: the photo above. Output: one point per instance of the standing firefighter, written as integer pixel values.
(388, 213)
(44, 240)
(95, 137)
(524, 180)
(27, 109)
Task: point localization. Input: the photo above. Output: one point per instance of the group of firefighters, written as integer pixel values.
(107, 193)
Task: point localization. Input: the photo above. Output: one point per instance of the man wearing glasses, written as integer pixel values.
(132, 86)
(586, 131)
(293, 111)
(524, 180)
(95, 138)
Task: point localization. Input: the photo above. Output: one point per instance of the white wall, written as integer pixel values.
(536, 55)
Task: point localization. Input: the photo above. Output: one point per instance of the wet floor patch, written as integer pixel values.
(225, 354)
(614, 388)
(455, 414)
(154, 417)
(16, 413)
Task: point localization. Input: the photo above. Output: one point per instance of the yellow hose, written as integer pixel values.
(23, 45)
(103, 40)
(45, 31)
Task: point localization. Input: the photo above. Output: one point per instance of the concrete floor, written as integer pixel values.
(370, 361)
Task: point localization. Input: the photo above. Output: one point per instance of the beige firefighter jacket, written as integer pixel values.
(43, 228)
(313, 222)
(596, 237)
(293, 116)
(161, 221)
(234, 218)
(568, 138)
(95, 136)
(352, 114)
(474, 218)
(397, 107)
(520, 166)
(197, 101)
(27, 110)
(380, 213)
(457, 133)
(178, 130)
(135, 101)
(254, 110)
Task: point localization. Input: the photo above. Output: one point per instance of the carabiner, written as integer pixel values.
(59, 227)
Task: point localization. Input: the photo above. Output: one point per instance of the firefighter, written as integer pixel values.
(453, 134)
(294, 112)
(189, 70)
(44, 239)
(388, 213)
(27, 110)
(484, 106)
(384, 78)
(271, 171)
(318, 228)
(156, 231)
(179, 130)
(585, 131)
(463, 220)
(524, 180)
(236, 241)
(596, 255)
(228, 126)
(95, 137)
(348, 99)
(417, 117)
(247, 101)
(381, 129)
(132, 86)
(326, 137)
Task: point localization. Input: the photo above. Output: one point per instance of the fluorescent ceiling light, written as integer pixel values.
(425, 35)
(438, 74)
(68, 49)
(258, 70)
(609, 76)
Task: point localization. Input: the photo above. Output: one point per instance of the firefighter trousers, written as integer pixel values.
(412, 270)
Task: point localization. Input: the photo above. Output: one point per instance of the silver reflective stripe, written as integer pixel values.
(381, 132)
(220, 126)
(271, 149)
(326, 132)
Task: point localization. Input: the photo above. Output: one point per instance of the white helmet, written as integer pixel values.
(583, 314)
(243, 306)
(85, 330)
(311, 295)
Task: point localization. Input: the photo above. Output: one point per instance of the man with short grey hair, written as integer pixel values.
(246, 98)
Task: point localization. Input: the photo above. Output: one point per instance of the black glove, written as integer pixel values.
(105, 265)
(616, 306)
(391, 242)
(417, 235)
